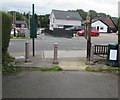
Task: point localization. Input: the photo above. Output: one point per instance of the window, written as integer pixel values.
(101, 28)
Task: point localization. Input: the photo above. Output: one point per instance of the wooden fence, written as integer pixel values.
(101, 49)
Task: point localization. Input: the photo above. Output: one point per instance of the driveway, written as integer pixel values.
(65, 84)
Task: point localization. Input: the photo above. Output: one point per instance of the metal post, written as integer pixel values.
(27, 52)
(33, 36)
(33, 47)
(55, 61)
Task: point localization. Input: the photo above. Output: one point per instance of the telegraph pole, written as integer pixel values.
(88, 31)
(14, 19)
(29, 19)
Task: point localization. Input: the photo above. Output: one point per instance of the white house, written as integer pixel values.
(104, 24)
(63, 19)
(99, 25)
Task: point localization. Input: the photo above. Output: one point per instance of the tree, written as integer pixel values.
(44, 20)
(94, 13)
(82, 13)
(19, 16)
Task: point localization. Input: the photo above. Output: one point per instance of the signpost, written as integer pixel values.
(33, 30)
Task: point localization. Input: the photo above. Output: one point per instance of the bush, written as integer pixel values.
(21, 35)
(6, 29)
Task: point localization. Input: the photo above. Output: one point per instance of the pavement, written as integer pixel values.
(68, 60)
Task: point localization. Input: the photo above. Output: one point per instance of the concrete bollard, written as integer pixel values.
(55, 60)
(92, 53)
(27, 52)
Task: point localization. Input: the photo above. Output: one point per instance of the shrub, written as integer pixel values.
(6, 29)
(21, 35)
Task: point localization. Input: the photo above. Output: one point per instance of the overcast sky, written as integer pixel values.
(45, 6)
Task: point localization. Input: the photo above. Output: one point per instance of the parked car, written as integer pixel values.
(75, 28)
(94, 32)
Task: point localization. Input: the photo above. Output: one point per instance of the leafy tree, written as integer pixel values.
(94, 13)
(82, 13)
(44, 20)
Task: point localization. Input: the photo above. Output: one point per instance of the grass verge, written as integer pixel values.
(100, 69)
(10, 69)
(57, 68)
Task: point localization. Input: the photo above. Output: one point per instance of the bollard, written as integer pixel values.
(55, 61)
(92, 53)
(27, 52)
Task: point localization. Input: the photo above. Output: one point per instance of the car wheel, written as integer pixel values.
(97, 34)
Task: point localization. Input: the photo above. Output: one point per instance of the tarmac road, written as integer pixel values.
(44, 42)
(67, 84)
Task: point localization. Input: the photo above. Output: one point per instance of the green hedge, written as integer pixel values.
(6, 29)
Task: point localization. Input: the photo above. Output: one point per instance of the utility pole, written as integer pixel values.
(88, 31)
(29, 19)
(14, 19)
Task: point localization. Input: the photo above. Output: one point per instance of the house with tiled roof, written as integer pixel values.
(104, 24)
(64, 19)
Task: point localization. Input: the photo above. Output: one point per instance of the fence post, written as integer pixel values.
(55, 61)
(92, 53)
(27, 52)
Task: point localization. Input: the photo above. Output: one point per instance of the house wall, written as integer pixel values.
(100, 25)
(59, 23)
(52, 21)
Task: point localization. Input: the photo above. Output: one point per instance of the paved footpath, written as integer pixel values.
(65, 84)
(68, 60)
